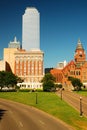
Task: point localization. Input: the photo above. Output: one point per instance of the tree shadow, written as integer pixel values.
(2, 112)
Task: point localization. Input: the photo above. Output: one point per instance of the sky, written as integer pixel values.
(62, 23)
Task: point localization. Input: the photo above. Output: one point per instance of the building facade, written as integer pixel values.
(31, 29)
(2, 65)
(9, 58)
(76, 68)
(29, 67)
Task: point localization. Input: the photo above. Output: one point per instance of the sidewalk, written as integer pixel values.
(75, 100)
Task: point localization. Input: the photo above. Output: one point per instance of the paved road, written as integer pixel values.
(74, 100)
(16, 116)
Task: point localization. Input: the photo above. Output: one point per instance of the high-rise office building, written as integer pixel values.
(31, 29)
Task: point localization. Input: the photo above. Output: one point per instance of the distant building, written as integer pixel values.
(47, 70)
(14, 44)
(61, 65)
(75, 68)
(31, 29)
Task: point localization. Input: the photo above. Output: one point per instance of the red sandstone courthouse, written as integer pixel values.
(76, 68)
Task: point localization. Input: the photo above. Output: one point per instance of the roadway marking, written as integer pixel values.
(42, 122)
(20, 123)
(10, 112)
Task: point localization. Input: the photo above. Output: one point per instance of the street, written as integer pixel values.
(16, 116)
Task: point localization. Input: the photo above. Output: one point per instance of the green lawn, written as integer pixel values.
(83, 92)
(50, 103)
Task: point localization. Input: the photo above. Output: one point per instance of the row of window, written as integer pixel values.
(29, 58)
(28, 68)
(28, 63)
(31, 86)
(22, 73)
(74, 72)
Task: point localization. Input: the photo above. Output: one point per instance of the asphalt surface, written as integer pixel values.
(16, 116)
(74, 100)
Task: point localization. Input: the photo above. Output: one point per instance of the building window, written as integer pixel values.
(80, 55)
(77, 72)
(71, 72)
(17, 67)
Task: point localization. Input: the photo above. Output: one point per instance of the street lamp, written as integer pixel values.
(81, 112)
(61, 93)
(36, 97)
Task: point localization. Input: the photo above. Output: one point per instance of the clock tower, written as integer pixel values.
(80, 55)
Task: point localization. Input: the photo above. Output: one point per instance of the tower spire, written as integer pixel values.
(79, 44)
(79, 41)
(15, 39)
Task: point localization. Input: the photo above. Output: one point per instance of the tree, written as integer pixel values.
(2, 79)
(48, 82)
(11, 79)
(77, 84)
(8, 79)
(58, 86)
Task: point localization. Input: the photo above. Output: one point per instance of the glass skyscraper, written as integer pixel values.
(31, 29)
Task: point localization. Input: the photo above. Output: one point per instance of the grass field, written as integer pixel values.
(50, 103)
(83, 92)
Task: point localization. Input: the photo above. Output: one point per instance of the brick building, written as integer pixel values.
(28, 65)
(76, 68)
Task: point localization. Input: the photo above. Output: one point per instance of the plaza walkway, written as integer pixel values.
(75, 100)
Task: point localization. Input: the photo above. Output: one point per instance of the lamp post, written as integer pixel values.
(81, 106)
(36, 97)
(61, 93)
